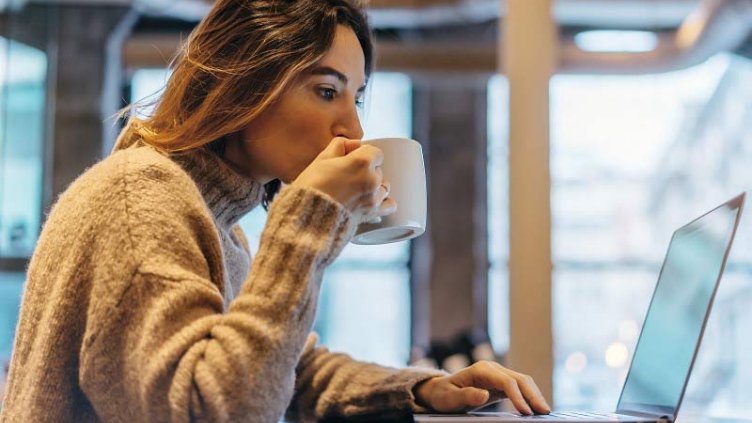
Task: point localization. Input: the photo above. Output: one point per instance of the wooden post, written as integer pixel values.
(528, 48)
(82, 73)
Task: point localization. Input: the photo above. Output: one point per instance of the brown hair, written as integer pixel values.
(237, 62)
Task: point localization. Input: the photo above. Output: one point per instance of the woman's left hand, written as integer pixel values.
(473, 386)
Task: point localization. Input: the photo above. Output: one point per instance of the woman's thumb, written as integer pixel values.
(474, 397)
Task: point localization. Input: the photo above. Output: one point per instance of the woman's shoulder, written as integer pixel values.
(133, 184)
(134, 173)
(137, 196)
(144, 164)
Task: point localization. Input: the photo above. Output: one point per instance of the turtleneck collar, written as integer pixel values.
(229, 194)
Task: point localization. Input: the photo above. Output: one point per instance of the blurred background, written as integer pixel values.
(564, 141)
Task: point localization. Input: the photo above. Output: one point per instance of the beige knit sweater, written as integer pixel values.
(141, 304)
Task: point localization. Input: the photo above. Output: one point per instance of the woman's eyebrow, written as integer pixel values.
(326, 70)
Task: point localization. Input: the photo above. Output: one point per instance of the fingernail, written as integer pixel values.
(485, 396)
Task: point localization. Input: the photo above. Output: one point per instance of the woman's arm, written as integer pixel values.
(167, 352)
(333, 384)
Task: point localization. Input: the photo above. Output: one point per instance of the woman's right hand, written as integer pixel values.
(350, 172)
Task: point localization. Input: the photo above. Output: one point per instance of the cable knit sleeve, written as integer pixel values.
(165, 351)
(334, 385)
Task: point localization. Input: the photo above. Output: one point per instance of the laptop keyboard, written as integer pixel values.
(572, 415)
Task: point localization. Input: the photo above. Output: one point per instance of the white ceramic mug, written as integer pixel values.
(404, 169)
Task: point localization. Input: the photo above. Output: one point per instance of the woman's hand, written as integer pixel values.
(351, 174)
(473, 386)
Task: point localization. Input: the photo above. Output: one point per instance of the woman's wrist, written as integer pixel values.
(422, 391)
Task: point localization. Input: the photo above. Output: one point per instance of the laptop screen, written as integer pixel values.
(687, 283)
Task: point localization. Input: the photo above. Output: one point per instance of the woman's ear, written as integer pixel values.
(231, 143)
(236, 136)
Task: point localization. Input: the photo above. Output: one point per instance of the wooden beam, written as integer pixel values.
(435, 57)
(156, 51)
(415, 4)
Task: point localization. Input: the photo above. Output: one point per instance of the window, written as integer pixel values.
(632, 159)
(11, 288)
(498, 213)
(147, 85)
(23, 75)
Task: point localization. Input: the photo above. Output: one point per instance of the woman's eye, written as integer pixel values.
(359, 102)
(327, 93)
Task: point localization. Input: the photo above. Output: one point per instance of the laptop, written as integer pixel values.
(671, 333)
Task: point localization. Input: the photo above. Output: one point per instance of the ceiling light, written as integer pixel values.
(616, 41)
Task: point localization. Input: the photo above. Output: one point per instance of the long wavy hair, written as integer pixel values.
(236, 63)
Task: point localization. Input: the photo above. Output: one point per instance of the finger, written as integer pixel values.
(387, 187)
(387, 207)
(336, 148)
(512, 389)
(532, 394)
(452, 398)
(503, 382)
(373, 195)
(381, 193)
(374, 220)
(351, 145)
(373, 155)
(473, 397)
(529, 389)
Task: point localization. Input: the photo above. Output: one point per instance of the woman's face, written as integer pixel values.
(317, 106)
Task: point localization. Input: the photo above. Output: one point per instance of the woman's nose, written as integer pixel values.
(349, 125)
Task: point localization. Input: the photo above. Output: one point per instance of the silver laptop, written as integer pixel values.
(671, 333)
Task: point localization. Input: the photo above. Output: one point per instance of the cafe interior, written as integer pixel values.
(563, 140)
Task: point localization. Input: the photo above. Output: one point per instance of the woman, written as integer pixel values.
(141, 302)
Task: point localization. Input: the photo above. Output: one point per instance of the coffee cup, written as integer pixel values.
(404, 169)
